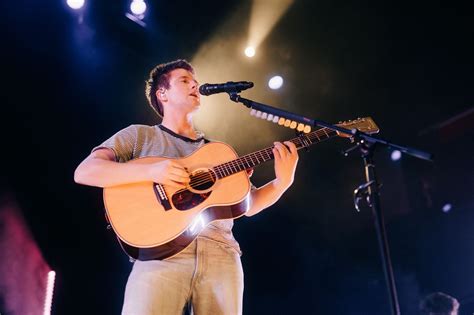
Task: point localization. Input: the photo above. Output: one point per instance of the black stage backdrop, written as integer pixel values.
(69, 84)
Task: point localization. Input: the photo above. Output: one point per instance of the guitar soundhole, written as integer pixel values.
(202, 180)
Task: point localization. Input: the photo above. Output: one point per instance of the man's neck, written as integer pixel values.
(181, 125)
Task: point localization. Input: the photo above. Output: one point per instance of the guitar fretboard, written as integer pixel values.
(253, 159)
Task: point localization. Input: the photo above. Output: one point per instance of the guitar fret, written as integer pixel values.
(255, 158)
(221, 174)
(226, 170)
(245, 159)
(251, 156)
(305, 141)
(268, 153)
(229, 167)
(236, 166)
(241, 164)
(300, 142)
(251, 165)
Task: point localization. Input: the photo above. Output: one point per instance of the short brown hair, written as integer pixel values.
(159, 78)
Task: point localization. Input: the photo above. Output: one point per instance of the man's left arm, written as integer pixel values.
(286, 159)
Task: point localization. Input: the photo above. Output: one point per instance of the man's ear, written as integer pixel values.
(161, 95)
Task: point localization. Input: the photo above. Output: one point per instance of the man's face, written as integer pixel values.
(183, 94)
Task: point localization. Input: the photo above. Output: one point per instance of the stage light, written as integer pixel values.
(49, 293)
(75, 4)
(447, 207)
(250, 51)
(275, 82)
(396, 155)
(138, 7)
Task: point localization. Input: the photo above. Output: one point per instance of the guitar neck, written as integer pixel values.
(256, 158)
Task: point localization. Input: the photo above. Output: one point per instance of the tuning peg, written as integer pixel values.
(264, 116)
(259, 114)
(270, 117)
(300, 127)
(253, 112)
(281, 121)
(276, 119)
(293, 124)
(287, 123)
(307, 129)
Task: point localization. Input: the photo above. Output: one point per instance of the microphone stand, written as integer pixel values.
(370, 189)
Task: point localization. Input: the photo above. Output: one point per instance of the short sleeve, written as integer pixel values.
(122, 144)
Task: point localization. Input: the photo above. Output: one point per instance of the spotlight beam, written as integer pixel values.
(265, 14)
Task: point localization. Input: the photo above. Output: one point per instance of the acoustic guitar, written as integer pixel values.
(155, 221)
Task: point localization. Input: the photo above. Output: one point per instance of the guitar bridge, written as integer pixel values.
(160, 194)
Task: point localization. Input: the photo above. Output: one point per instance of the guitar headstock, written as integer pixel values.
(365, 124)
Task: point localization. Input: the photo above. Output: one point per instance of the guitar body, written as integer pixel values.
(154, 221)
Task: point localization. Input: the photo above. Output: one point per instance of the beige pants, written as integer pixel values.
(207, 273)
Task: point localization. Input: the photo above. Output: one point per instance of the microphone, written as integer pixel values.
(229, 87)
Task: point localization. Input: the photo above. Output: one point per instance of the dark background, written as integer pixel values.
(68, 85)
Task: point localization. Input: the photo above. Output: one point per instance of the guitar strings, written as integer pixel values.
(237, 163)
(234, 166)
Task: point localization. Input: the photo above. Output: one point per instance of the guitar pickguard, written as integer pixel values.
(185, 199)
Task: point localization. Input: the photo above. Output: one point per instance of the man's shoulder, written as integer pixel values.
(140, 129)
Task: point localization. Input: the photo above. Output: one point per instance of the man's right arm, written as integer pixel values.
(100, 169)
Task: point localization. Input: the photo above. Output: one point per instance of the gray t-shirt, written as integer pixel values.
(138, 141)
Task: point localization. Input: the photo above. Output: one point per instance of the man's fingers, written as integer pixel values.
(281, 149)
(292, 147)
(180, 173)
(175, 184)
(276, 153)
